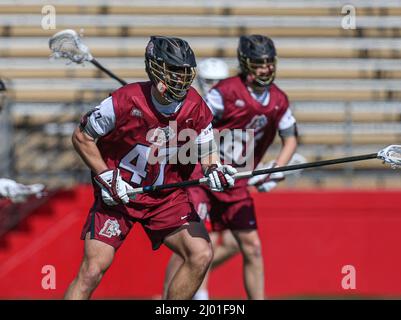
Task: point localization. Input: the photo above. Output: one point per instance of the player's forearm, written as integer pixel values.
(288, 149)
(88, 151)
(209, 160)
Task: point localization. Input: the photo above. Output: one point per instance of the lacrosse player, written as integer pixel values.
(117, 140)
(249, 100)
(10, 189)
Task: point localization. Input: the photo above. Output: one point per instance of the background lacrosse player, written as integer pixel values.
(210, 71)
(249, 101)
(10, 189)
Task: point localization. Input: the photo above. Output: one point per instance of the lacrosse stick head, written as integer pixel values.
(23, 192)
(67, 44)
(391, 155)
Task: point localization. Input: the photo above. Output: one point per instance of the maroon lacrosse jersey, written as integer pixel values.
(144, 144)
(242, 111)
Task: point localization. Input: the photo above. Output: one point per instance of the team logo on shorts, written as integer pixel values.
(110, 228)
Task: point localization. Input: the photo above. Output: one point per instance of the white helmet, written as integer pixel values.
(210, 71)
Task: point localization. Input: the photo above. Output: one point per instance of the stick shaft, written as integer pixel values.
(316, 164)
(247, 174)
(107, 71)
(172, 185)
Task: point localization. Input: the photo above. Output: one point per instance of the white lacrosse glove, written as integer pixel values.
(220, 177)
(114, 188)
(17, 192)
(266, 182)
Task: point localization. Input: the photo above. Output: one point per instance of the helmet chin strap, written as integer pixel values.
(164, 94)
(252, 82)
(250, 78)
(159, 92)
(161, 87)
(260, 85)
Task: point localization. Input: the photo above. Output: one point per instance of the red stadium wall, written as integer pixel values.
(307, 239)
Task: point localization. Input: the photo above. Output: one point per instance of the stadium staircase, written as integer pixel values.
(344, 84)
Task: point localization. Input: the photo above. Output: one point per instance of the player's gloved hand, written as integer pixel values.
(18, 192)
(266, 182)
(114, 188)
(220, 177)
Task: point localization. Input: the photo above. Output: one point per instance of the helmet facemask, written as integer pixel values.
(172, 82)
(251, 68)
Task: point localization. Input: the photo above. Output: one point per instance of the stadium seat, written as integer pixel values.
(344, 85)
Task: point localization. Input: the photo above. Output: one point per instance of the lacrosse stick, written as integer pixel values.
(67, 44)
(390, 155)
(17, 192)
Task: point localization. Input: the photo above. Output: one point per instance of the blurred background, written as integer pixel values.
(343, 79)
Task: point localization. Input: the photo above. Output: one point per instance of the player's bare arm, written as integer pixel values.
(86, 147)
(289, 146)
(114, 188)
(265, 183)
(209, 160)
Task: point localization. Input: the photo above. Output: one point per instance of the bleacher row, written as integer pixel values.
(344, 84)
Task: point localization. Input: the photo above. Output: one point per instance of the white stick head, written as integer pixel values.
(391, 155)
(67, 44)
